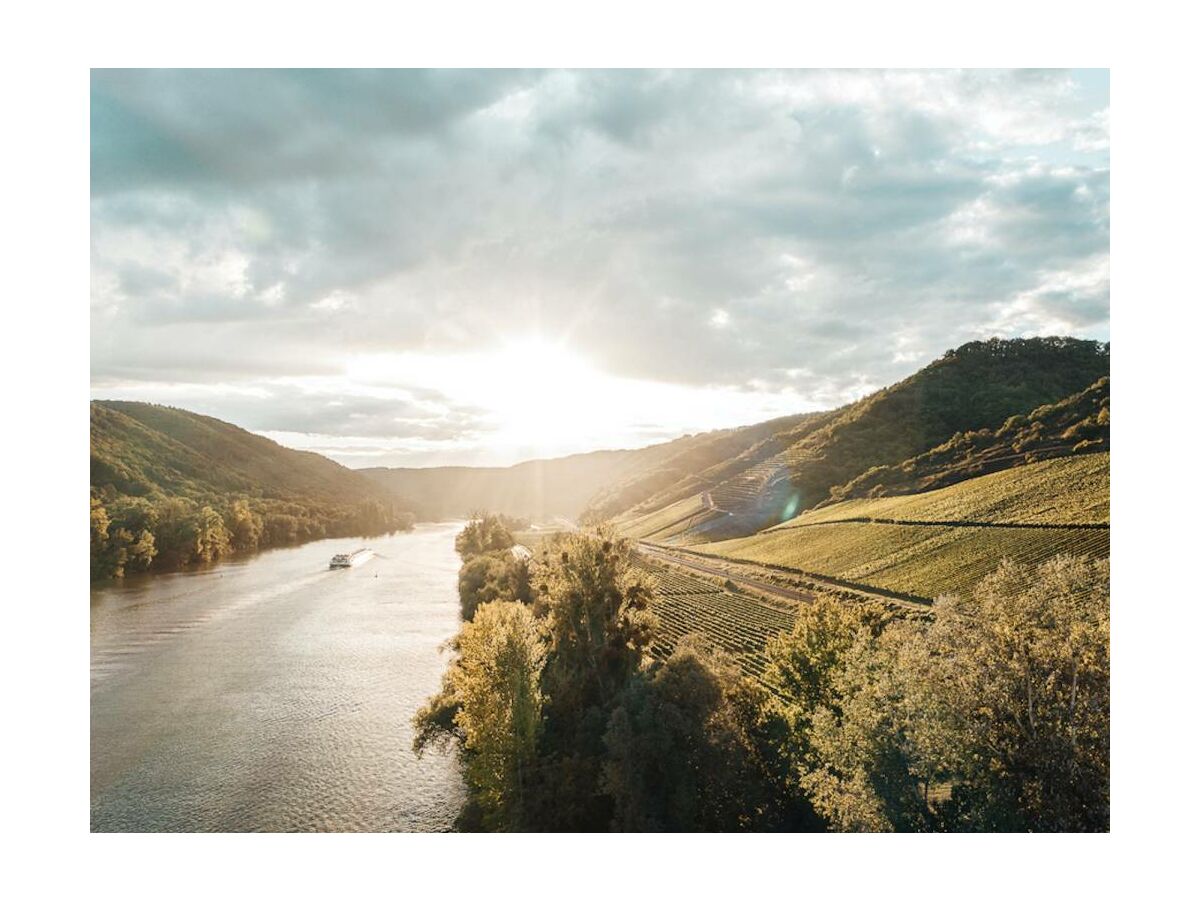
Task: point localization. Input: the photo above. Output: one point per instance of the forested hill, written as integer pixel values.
(1074, 425)
(170, 488)
(979, 385)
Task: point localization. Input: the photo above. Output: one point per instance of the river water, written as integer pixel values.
(273, 694)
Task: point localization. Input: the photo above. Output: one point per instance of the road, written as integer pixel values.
(764, 587)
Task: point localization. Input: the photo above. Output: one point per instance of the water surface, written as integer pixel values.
(273, 694)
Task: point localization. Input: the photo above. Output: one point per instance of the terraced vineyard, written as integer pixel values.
(1065, 491)
(744, 489)
(738, 624)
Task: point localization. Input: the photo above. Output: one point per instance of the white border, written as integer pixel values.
(45, 227)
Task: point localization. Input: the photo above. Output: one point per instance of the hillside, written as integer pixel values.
(945, 540)
(980, 385)
(1075, 425)
(547, 489)
(170, 488)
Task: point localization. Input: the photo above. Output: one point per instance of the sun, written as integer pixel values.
(547, 398)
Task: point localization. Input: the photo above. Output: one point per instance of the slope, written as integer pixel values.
(945, 540)
(549, 488)
(977, 386)
(170, 488)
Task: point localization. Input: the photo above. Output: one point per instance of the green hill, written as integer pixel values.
(980, 385)
(1075, 425)
(170, 488)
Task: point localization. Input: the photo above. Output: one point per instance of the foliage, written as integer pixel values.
(485, 533)
(687, 750)
(591, 609)
(860, 772)
(595, 602)
(990, 715)
(493, 692)
(496, 575)
(1009, 695)
(994, 717)
(172, 489)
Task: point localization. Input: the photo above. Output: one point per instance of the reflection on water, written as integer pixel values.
(274, 694)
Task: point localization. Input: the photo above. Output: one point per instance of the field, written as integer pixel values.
(945, 554)
(1066, 491)
(739, 624)
(926, 561)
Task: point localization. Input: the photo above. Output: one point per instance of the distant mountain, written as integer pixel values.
(562, 488)
(171, 487)
(977, 386)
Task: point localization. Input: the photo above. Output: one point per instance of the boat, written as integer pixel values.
(349, 560)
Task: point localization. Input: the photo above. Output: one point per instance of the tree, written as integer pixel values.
(177, 535)
(993, 717)
(105, 563)
(598, 623)
(140, 553)
(685, 750)
(244, 525)
(486, 532)
(598, 619)
(496, 575)
(861, 773)
(802, 664)
(212, 537)
(1009, 695)
(491, 705)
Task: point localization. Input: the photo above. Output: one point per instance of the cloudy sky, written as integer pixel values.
(418, 268)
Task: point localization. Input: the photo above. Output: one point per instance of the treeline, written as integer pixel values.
(171, 488)
(138, 534)
(990, 715)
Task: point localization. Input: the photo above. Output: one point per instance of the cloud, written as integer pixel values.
(817, 232)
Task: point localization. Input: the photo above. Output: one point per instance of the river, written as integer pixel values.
(273, 694)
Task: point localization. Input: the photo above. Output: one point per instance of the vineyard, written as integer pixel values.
(1066, 491)
(681, 515)
(743, 490)
(927, 561)
(739, 624)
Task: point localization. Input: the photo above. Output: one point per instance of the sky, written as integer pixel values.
(414, 268)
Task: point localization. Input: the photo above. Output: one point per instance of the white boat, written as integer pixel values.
(349, 560)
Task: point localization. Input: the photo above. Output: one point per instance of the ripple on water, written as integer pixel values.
(277, 699)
